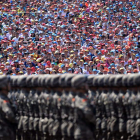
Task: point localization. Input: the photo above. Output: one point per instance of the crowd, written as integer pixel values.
(69, 36)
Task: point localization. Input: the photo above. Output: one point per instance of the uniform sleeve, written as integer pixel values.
(8, 111)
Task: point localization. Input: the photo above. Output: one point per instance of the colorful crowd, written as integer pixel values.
(69, 36)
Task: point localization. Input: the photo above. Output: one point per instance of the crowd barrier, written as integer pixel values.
(76, 107)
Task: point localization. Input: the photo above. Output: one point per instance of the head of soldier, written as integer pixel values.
(4, 84)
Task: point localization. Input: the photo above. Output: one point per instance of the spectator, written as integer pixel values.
(81, 37)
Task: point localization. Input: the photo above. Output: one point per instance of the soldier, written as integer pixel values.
(67, 127)
(91, 97)
(107, 115)
(56, 106)
(30, 106)
(45, 106)
(40, 103)
(50, 107)
(126, 104)
(114, 127)
(120, 107)
(83, 114)
(98, 108)
(7, 116)
(103, 82)
(25, 117)
(64, 108)
(14, 98)
(137, 84)
(20, 106)
(70, 104)
(35, 83)
(132, 101)
(43, 110)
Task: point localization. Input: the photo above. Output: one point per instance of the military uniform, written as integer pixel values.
(45, 106)
(23, 101)
(91, 97)
(104, 102)
(70, 106)
(83, 114)
(98, 108)
(7, 116)
(126, 103)
(136, 81)
(36, 94)
(40, 105)
(132, 102)
(56, 106)
(114, 127)
(31, 92)
(49, 98)
(120, 108)
(64, 107)
(14, 98)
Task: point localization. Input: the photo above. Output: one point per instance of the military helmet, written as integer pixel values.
(4, 80)
(130, 79)
(35, 81)
(90, 80)
(100, 80)
(106, 81)
(125, 80)
(95, 81)
(136, 79)
(68, 79)
(112, 80)
(29, 81)
(62, 82)
(79, 81)
(118, 80)
(55, 80)
(42, 80)
(14, 81)
(22, 81)
(48, 81)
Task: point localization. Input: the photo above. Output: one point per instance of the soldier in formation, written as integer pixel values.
(76, 107)
(8, 120)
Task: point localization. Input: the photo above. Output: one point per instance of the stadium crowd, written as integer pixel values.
(69, 36)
